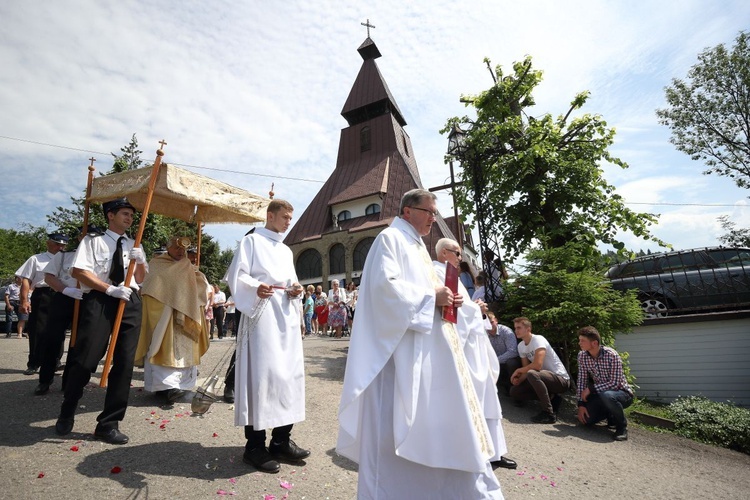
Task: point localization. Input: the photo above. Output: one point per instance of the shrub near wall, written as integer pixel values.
(722, 424)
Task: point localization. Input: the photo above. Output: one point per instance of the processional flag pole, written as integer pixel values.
(84, 230)
(131, 264)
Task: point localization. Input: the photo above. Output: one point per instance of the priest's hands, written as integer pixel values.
(444, 297)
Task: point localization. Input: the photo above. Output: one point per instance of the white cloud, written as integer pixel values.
(258, 87)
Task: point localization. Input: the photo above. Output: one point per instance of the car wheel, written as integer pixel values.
(655, 307)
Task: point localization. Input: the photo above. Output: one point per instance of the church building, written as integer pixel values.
(374, 168)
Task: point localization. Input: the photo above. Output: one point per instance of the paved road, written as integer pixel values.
(172, 454)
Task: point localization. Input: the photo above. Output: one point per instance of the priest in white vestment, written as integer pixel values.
(482, 359)
(174, 331)
(269, 369)
(409, 413)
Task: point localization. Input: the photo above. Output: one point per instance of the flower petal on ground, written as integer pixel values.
(116, 469)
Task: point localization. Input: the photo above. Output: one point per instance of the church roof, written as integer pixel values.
(384, 167)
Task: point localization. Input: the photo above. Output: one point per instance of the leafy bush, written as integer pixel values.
(723, 424)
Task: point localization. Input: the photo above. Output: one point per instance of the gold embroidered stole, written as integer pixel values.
(451, 335)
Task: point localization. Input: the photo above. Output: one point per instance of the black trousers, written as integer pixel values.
(38, 320)
(256, 439)
(219, 317)
(50, 340)
(97, 316)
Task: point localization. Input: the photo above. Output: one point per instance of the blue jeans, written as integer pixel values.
(308, 323)
(609, 405)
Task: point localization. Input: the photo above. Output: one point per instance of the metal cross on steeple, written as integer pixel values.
(368, 25)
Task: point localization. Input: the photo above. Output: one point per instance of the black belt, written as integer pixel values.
(43, 289)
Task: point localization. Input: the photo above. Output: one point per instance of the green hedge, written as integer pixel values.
(722, 424)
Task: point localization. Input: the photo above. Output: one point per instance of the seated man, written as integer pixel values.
(603, 391)
(174, 333)
(505, 345)
(542, 373)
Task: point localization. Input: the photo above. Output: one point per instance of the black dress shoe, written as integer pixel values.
(41, 389)
(30, 371)
(64, 425)
(505, 463)
(60, 367)
(228, 394)
(174, 395)
(621, 435)
(288, 450)
(111, 436)
(261, 459)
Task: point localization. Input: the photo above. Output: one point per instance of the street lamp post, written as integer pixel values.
(488, 239)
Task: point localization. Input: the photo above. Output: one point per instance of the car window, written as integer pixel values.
(739, 257)
(638, 268)
(687, 261)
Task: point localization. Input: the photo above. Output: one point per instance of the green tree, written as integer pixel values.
(542, 175)
(17, 247)
(734, 236)
(563, 291)
(709, 112)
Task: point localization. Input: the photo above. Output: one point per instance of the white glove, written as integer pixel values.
(137, 255)
(73, 292)
(119, 292)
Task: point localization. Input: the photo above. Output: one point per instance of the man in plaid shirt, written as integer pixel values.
(603, 391)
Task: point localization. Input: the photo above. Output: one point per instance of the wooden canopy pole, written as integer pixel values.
(198, 244)
(131, 264)
(84, 230)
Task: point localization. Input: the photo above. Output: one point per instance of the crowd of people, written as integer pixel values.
(435, 365)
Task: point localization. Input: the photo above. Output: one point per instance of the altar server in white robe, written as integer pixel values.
(269, 370)
(480, 355)
(409, 413)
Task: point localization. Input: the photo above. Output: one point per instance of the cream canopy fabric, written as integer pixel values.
(182, 194)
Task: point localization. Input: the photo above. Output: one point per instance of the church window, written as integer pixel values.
(344, 215)
(337, 259)
(360, 253)
(309, 264)
(373, 208)
(364, 139)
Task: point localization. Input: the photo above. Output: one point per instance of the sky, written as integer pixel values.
(251, 92)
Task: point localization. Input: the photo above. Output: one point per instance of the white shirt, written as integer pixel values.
(60, 267)
(95, 254)
(551, 362)
(33, 269)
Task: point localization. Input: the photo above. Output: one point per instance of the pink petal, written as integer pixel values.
(269, 497)
(40, 475)
(559, 468)
(522, 473)
(542, 476)
(74, 448)
(553, 484)
(221, 492)
(215, 435)
(285, 485)
(232, 480)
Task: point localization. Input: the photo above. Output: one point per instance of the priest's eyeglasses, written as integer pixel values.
(433, 214)
(458, 253)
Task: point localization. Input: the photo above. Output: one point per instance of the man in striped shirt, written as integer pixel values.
(603, 391)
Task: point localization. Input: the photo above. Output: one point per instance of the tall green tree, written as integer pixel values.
(542, 175)
(709, 111)
(563, 291)
(17, 246)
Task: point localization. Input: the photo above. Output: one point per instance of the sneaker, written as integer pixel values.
(544, 418)
(288, 450)
(261, 459)
(621, 435)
